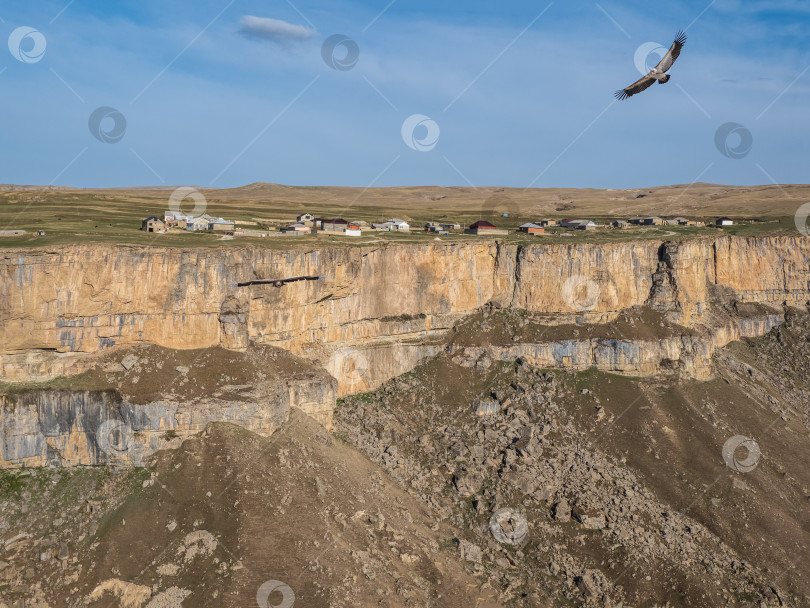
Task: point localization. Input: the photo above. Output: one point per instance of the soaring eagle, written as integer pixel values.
(658, 72)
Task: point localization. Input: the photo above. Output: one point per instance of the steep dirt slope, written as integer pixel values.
(624, 483)
(216, 521)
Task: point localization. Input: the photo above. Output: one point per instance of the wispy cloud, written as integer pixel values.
(275, 30)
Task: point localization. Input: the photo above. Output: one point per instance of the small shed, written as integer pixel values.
(724, 221)
(221, 225)
(296, 229)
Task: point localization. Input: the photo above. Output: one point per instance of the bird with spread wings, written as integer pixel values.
(658, 73)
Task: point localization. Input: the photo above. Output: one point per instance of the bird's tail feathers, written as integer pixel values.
(664, 79)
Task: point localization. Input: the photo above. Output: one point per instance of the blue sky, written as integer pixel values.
(521, 93)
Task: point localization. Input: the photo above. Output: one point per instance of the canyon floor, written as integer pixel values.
(464, 482)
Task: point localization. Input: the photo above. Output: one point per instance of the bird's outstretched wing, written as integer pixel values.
(638, 86)
(673, 52)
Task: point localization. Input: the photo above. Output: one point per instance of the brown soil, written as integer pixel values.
(215, 371)
(505, 327)
(300, 508)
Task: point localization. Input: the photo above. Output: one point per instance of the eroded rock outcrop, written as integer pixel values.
(148, 402)
(71, 428)
(689, 356)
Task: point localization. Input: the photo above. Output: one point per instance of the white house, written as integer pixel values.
(724, 221)
(173, 218)
(304, 217)
(196, 224)
(397, 224)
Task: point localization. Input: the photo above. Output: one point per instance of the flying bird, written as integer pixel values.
(658, 72)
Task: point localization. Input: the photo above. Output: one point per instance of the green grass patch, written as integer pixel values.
(12, 482)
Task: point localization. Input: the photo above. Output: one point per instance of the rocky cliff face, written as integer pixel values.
(689, 356)
(69, 428)
(122, 410)
(374, 306)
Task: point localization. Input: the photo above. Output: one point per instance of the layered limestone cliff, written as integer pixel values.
(687, 355)
(372, 313)
(130, 402)
(70, 427)
(375, 307)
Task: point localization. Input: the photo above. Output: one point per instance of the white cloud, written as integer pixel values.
(274, 29)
